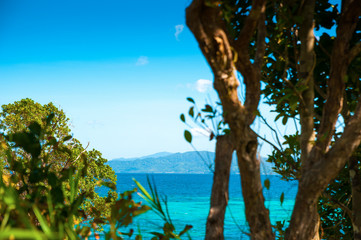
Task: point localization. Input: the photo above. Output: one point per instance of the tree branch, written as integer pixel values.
(250, 25)
(354, 52)
(261, 40)
(335, 159)
(339, 65)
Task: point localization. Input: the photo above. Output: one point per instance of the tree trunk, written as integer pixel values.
(355, 178)
(322, 164)
(304, 226)
(257, 214)
(205, 20)
(316, 179)
(307, 64)
(219, 196)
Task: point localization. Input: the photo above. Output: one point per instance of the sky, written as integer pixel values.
(121, 70)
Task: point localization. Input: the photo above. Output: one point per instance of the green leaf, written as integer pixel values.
(207, 108)
(42, 221)
(19, 233)
(190, 100)
(282, 198)
(278, 116)
(267, 183)
(191, 111)
(57, 195)
(284, 120)
(108, 184)
(182, 118)
(188, 136)
(49, 118)
(67, 138)
(35, 128)
(142, 189)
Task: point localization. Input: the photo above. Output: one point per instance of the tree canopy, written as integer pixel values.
(20, 115)
(311, 78)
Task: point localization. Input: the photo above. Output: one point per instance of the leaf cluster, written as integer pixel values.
(37, 202)
(22, 122)
(158, 204)
(208, 118)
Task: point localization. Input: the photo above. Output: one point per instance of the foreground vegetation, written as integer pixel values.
(48, 182)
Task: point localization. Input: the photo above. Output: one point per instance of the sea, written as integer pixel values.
(188, 199)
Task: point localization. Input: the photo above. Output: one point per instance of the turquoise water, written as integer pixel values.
(188, 201)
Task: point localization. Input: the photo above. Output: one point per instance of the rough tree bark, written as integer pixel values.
(204, 18)
(219, 196)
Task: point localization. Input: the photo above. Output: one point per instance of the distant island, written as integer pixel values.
(189, 162)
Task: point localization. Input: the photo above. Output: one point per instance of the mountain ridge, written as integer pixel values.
(155, 155)
(193, 162)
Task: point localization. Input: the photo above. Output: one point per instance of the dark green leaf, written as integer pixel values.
(49, 118)
(182, 118)
(191, 111)
(35, 128)
(207, 108)
(57, 195)
(282, 198)
(190, 100)
(52, 179)
(267, 183)
(67, 138)
(188, 136)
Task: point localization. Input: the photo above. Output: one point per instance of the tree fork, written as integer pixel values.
(206, 23)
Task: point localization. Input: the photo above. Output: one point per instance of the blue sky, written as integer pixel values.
(121, 70)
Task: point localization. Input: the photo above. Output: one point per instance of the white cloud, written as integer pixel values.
(178, 30)
(197, 132)
(203, 85)
(142, 60)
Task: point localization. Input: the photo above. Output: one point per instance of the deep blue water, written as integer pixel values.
(188, 201)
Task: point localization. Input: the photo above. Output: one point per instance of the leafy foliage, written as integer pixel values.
(40, 202)
(208, 118)
(284, 88)
(25, 120)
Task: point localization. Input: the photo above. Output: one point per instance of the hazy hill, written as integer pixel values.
(155, 155)
(188, 162)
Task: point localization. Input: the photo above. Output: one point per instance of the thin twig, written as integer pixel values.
(273, 130)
